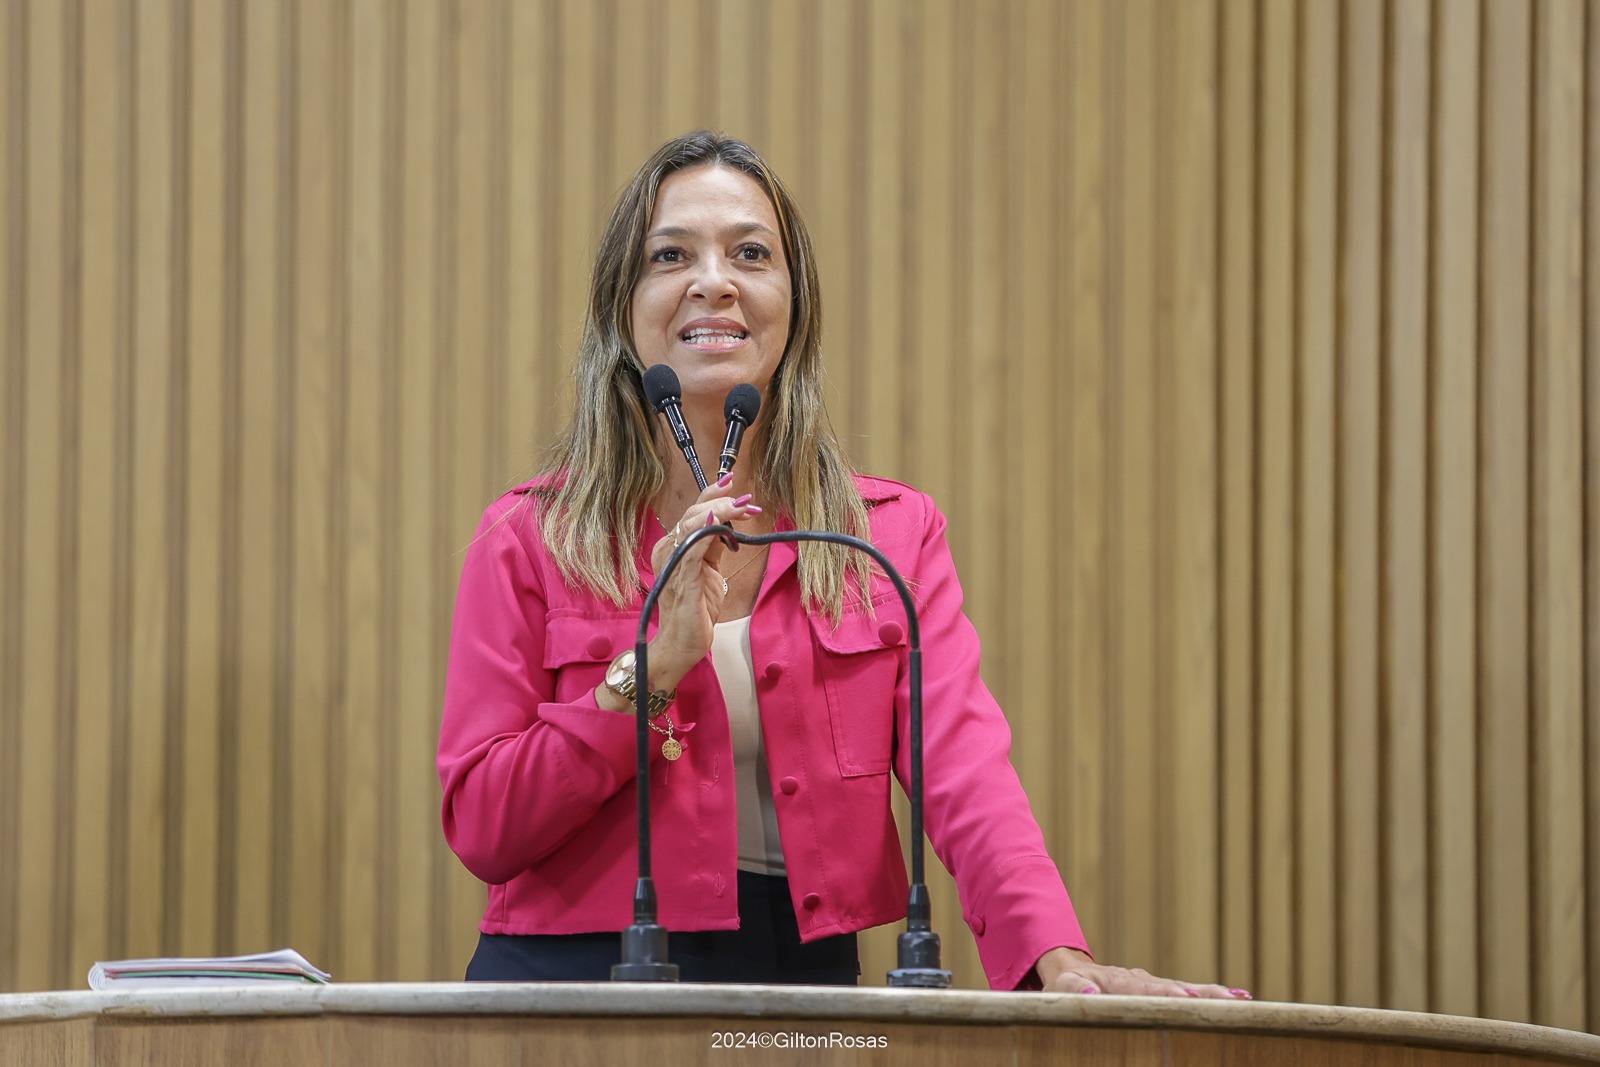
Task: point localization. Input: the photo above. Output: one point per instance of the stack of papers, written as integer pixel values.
(283, 966)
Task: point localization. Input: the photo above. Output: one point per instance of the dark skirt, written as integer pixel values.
(766, 949)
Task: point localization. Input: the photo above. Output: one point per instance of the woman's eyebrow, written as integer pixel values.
(737, 230)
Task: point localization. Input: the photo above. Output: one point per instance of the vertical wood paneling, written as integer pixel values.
(119, 646)
(1033, 44)
(881, 310)
(1133, 363)
(1188, 407)
(92, 759)
(367, 933)
(1591, 477)
(1273, 536)
(938, 227)
(13, 265)
(1085, 466)
(1290, 594)
(227, 443)
(255, 761)
(1315, 942)
(1557, 517)
(398, 928)
(209, 534)
(1236, 277)
(312, 92)
(468, 376)
(69, 681)
(1403, 724)
(833, 108)
(1453, 497)
(1505, 213)
(422, 554)
(40, 950)
(1360, 183)
(151, 687)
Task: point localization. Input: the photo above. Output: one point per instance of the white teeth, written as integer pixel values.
(700, 336)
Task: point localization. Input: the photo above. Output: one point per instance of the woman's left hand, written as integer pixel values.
(1065, 970)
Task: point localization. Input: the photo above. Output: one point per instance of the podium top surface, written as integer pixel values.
(800, 1003)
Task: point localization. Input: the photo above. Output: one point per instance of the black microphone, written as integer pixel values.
(740, 409)
(661, 388)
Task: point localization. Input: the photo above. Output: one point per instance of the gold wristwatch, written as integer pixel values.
(619, 679)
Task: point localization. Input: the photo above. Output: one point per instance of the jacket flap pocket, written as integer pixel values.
(885, 628)
(574, 638)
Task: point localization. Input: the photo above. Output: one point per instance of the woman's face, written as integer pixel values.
(712, 299)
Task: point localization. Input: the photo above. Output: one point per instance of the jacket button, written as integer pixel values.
(810, 901)
(890, 633)
(599, 647)
(773, 672)
(789, 785)
(977, 927)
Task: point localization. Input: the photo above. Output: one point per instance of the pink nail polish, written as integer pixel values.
(754, 509)
(711, 519)
(1189, 991)
(742, 501)
(1242, 993)
(725, 481)
(1090, 989)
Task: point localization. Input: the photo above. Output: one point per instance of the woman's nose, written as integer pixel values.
(712, 281)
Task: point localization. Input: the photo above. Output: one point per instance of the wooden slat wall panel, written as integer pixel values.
(97, 112)
(1591, 494)
(1236, 459)
(1503, 655)
(1272, 539)
(1361, 166)
(258, 848)
(1133, 831)
(1403, 433)
(1453, 820)
(43, 831)
(1557, 516)
(1291, 584)
(1316, 936)
(1188, 360)
(151, 833)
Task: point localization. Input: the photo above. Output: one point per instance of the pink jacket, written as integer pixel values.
(539, 795)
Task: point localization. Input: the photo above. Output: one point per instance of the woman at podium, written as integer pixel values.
(777, 674)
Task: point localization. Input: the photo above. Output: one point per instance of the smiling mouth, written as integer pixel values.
(701, 336)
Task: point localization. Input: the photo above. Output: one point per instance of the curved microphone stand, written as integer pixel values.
(644, 944)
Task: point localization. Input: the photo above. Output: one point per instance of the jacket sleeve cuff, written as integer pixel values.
(605, 741)
(1028, 915)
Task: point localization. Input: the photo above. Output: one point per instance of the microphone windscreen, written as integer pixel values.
(746, 400)
(660, 385)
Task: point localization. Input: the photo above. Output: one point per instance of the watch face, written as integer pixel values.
(620, 673)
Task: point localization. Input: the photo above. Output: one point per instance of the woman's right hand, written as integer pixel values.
(691, 602)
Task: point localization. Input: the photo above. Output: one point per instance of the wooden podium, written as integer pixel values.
(654, 1025)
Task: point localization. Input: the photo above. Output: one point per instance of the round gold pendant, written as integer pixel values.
(671, 748)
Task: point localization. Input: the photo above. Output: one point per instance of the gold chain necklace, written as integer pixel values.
(672, 532)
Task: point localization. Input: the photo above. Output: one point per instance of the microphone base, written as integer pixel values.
(644, 956)
(644, 972)
(918, 957)
(920, 978)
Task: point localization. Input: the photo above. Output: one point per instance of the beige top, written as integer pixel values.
(760, 850)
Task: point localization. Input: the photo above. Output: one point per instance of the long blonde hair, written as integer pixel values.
(604, 468)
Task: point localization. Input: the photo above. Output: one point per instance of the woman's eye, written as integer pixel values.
(754, 253)
(667, 255)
